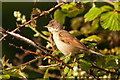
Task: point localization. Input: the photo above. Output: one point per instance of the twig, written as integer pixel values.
(26, 51)
(103, 69)
(48, 66)
(30, 42)
(41, 14)
(110, 2)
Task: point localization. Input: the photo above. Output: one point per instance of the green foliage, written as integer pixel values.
(10, 72)
(110, 20)
(117, 6)
(67, 10)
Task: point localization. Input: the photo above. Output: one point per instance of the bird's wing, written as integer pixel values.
(68, 38)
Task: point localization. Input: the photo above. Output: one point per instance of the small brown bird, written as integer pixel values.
(65, 41)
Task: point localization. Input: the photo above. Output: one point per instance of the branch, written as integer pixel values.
(30, 42)
(41, 14)
(110, 2)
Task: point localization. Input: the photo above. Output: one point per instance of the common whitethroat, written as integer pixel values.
(65, 41)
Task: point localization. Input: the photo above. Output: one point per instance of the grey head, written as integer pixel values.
(54, 25)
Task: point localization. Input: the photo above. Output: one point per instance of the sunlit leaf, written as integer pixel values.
(117, 6)
(66, 59)
(66, 70)
(70, 72)
(93, 37)
(110, 20)
(45, 33)
(46, 74)
(59, 16)
(5, 76)
(92, 14)
(75, 32)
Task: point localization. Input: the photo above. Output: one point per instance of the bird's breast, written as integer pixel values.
(65, 48)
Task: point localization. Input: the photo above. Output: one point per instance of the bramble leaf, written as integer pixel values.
(110, 20)
(92, 14)
(117, 6)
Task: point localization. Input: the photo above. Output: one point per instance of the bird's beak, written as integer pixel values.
(45, 26)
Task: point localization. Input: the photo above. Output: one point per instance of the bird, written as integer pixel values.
(66, 42)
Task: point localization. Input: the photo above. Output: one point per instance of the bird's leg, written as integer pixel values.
(67, 56)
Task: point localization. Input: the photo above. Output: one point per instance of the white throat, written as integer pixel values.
(52, 29)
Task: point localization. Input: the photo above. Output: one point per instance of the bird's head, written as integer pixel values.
(54, 26)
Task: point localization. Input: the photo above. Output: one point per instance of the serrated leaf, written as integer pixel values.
(92, 14)
(66, 70)
(117, 6)
(110, 20)
(59, 16)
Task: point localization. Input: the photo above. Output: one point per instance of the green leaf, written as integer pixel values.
(59, 16)
(45, 33)
(67, 6)
(70, 72)
(74, 12)
(75, 32)
(46, 74)
(85, 65)
(95, 25)
(117, 6)
(95, 37)
(67, 59)
(66, 70)
(92, 14)
(110, 20)
(76, 22)
(5, 76)
(106, 8)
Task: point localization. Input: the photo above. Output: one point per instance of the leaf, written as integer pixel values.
(70, 72)
(92, 14)
(5, 76)
(110, 20)
(75, 32)
(95, 25)
(95, 37)
(46, 74)
(74, 12)
(85, 65)
(66, 70)
(59, 16)
(117, 6)
(45, 33)
(76, 22)
(106, 8)
(67, 6)
(66, 59)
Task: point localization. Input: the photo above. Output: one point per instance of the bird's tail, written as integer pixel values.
(96, 53)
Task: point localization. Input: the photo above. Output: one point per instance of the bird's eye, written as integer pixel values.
(51, 24)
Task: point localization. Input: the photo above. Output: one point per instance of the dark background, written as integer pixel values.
(9, 23)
